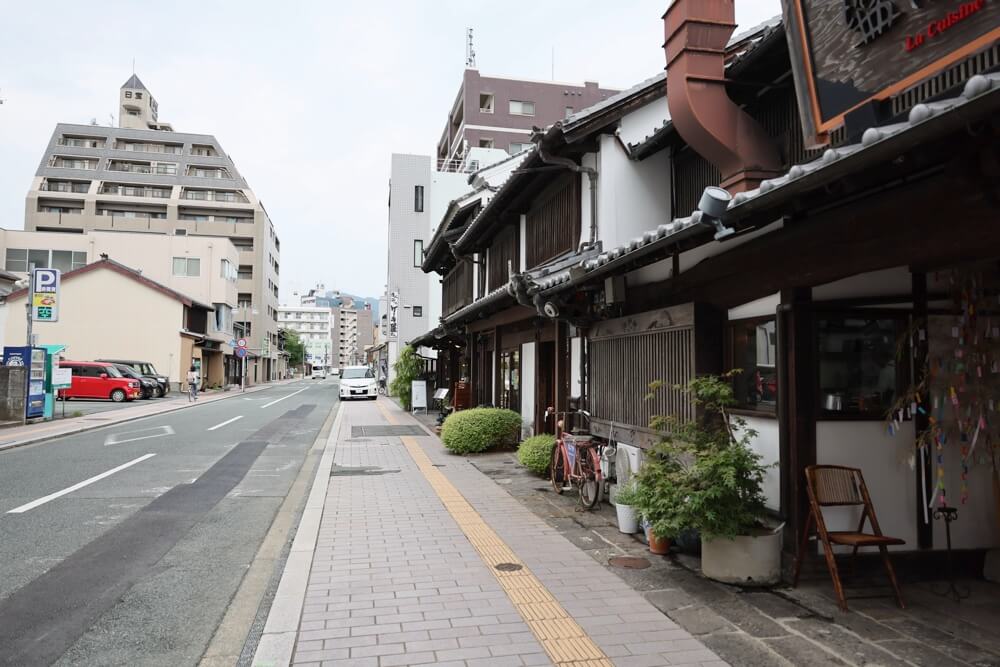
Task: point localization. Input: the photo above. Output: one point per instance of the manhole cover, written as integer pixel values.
(384, 430)
(629, 562)
(508, 567)
(346, 471)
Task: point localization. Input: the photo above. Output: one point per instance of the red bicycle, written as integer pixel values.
(576, 462)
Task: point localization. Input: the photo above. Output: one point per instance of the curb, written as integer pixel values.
(277, 642)
(124, 420)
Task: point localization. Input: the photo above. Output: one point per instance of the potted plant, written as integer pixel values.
(626, 498)
(657, 499)
(710, 480)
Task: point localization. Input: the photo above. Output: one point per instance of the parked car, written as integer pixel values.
(335, 372)
(93, 379)
(358, 382)
(150, 387)
(318, 373)
(145, 369)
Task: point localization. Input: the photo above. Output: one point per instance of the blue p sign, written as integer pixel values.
(45, 295)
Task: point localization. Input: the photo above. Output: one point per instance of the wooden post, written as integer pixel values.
(925, 488)
(797, 406)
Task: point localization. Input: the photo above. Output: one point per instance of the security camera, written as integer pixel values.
(713, 206)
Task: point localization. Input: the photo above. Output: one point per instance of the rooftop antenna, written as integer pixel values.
(111, 120)
(470, 52)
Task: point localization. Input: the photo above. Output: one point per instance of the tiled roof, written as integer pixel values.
(582, 115)
(678, 229)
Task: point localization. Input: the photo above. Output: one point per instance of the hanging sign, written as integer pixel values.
(846, 53)
(45, 295)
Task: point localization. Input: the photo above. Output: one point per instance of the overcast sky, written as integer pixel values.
(308, 98)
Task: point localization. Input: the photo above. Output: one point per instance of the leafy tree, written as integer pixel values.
(295, 348)
(408, 368)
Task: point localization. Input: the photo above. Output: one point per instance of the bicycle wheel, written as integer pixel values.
(590, 486)
(557, 466)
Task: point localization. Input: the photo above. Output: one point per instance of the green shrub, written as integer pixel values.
(535, 453)
(627, 494)
(479, 429)
(408, 368)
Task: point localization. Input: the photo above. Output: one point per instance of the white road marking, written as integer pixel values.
(70, 489)
(267, 405)
(160, 431)
(228, 421)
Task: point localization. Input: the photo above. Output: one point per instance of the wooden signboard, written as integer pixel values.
(846, 53)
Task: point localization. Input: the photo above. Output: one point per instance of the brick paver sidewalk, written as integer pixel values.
(403, 571)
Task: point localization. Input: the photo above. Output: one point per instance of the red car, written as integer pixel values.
(93, 379)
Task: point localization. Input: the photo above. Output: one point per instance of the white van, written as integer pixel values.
(318, 373)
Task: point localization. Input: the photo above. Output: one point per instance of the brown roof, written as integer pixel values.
(128, 272)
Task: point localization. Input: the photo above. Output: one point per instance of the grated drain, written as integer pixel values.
(384, 430)
(348, 471)
(629, 562)
(508, 567)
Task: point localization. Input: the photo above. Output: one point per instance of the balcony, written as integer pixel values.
(203, 150)
(207, 172)
(143, 147)
(143, 168)
(61, 162)
(134, 191)
(78, 187)
(233, 197)
(81, 142)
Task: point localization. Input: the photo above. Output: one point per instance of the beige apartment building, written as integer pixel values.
(202, 268)
(144, 177)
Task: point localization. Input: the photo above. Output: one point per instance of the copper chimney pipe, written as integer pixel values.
(697, 32)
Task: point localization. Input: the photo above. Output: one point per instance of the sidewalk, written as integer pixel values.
(407, 555)
(26, 434)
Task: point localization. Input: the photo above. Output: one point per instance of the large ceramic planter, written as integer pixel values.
(748, 560)
(628, 520)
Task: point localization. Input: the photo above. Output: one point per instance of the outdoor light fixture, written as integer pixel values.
(713, 205)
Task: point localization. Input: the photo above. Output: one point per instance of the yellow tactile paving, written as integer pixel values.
(566, 643)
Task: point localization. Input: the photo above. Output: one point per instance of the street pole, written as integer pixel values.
(27, 366)
(243, 359)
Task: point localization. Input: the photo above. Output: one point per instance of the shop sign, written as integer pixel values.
(846, 53)
(45, 295)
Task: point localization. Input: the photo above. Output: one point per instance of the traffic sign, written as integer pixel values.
(241, 352)
(242, 342)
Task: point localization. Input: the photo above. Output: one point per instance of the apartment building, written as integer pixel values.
(144, 177)
(314, 325)
(352, 331)
(499, 112)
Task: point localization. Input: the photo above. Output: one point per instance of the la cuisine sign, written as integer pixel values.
(847, 53)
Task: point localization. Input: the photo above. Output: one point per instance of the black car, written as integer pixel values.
(149, 386)
(146, 370)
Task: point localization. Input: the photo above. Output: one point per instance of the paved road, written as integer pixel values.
(138, 562)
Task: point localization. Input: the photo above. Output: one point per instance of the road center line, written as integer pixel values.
(228, 421)
(70, 489)
(267, 405)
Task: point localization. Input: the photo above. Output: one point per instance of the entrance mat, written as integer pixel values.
(384, 430)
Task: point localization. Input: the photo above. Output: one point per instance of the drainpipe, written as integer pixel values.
(697, 32)
(591, 174)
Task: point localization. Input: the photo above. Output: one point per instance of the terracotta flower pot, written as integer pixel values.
(657, 545)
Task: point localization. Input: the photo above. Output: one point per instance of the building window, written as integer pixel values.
(223, 318)
(516, 147)
(519, 108)
(138, 95)
(418, 253)
(486, 102)
(228, 271)
(486, 143)
(418, 198)
(858, 370)
(19, 259)
(128, 94)
(418, 311)
(569, 111)
(754, 349)
(189, 267)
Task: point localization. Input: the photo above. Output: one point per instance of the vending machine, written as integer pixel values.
(33, 358)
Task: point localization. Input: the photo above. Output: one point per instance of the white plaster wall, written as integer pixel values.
(884, 461)
(522, 237)
(588, 160)
(766, 444)
(633, 197)
(646, 120)
(890, 282)
(575, 380)
(762, 307)
(528, 387)
(977, 519)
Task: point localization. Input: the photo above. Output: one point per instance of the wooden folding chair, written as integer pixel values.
(842, 486)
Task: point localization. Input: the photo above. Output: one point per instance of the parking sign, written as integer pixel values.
(45, 295)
